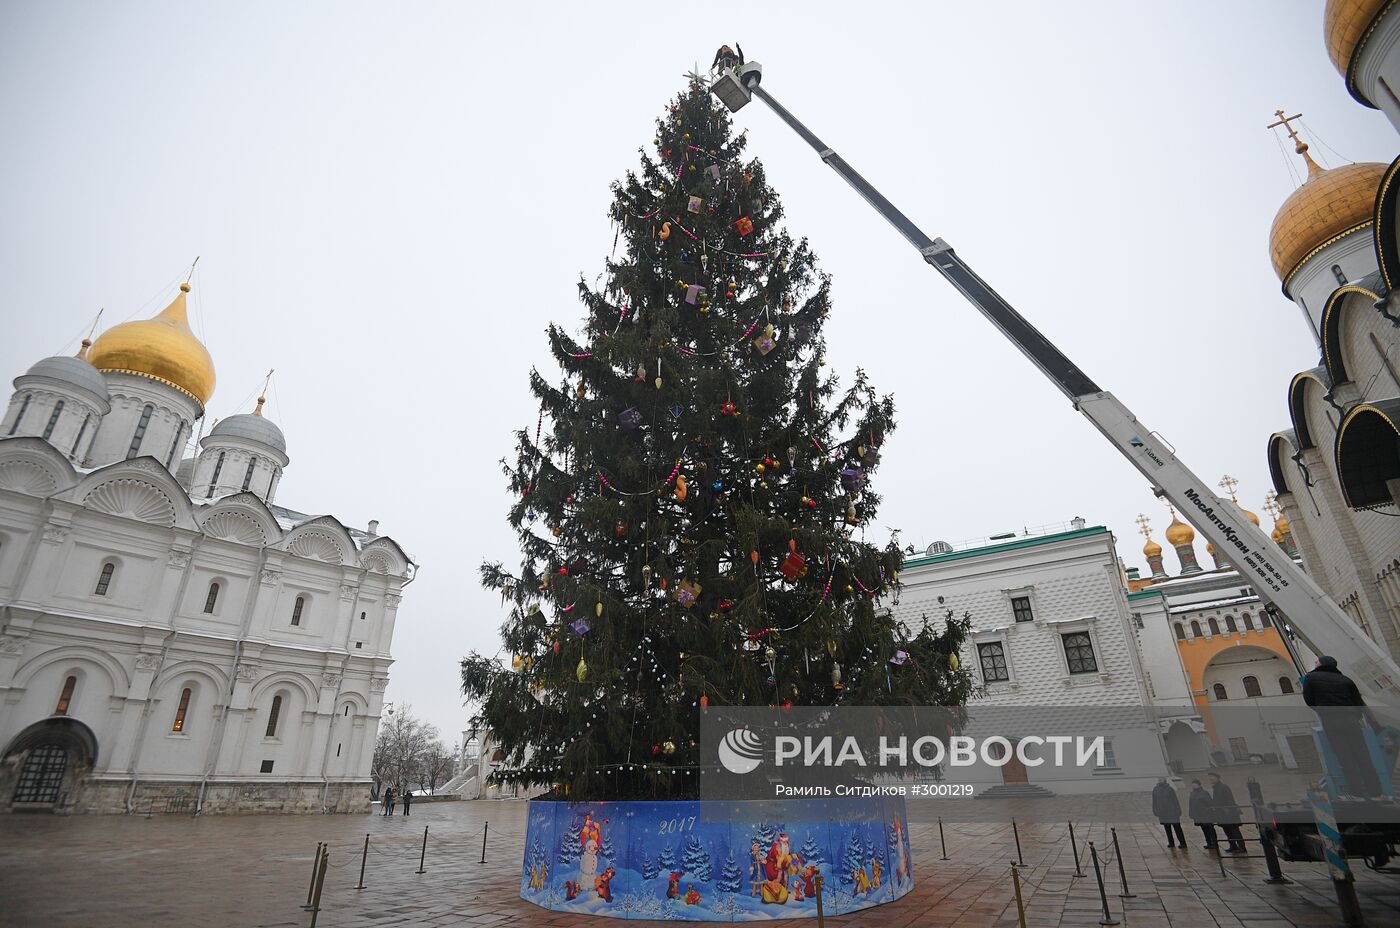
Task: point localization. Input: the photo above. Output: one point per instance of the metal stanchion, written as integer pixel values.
(821, 915)
(320, 883)
(484, 833)
(1074, 846)
(1122, 874)
(363, 858)
(1271, 859)
(315, 862)
(942, 843)
(1017, 832)
(1108, 918)
(1020, 906)
(424, 854)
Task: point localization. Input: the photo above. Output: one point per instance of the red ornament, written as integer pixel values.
(556, 647)
(655, 750)
(811, 503)
(753, 556)
(563, 571)
(743, 225)
(704, 702)
(725, 605)
(620, 529)
(727, 408)
(793, 566)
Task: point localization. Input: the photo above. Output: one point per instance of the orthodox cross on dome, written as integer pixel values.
(87, 342)
(1299, 145)
(1271, 505)
(1228, 484)
(262, 397)
(1144, 526)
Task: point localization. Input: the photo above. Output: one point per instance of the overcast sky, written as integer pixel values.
(391, 201)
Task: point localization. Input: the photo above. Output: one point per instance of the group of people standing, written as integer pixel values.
(1207, 808)
(388, 801)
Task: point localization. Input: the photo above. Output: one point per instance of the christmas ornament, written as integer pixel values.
(656, 750)
(668, 748)
(727, 408)
(770, 655)
(581, 671)
(658, 383)
(692, 293)
(687, 591)
(764, 343)
(714, 172)
(836, 683)
(852, 479)
(620, 530)
(517, 663)
(899, 658)
(753, 556)
(556, 647)
(725, 605)
(665, 231)
(630, 417)
(793, 566)
(744, 226)
(695, 205)
(953, 662)
(563, 571)
(580, 627)
(717, 486)
(704, 702)
(598, 610)
(851, 516)
(760, 468)
(751, 644)
(811, 503)
(681, 488)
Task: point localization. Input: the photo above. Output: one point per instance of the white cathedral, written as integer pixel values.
(170, 637)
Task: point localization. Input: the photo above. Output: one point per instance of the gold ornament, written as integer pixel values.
(598, 610)
(581, 671)
(658, 383)
(668, 748)
(953, 662)
(759, 468)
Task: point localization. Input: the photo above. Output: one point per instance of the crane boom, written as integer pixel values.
(1319, 622)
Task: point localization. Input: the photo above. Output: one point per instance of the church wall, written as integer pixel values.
(1378, 68)
(1315, 281)
(1156, 644)
(170, 410)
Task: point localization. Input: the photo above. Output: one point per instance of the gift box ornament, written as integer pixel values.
(764, 343)
(630, 417)
(687, 591)
(714, 173)
(793, 566)
(580, 626)
(692, 293)
(744, 226)
(852, 479)
(695, 205)
(899, 658)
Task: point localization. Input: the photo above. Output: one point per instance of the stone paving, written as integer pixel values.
(116, 871)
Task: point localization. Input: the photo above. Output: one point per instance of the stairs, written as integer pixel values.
(1015, 791)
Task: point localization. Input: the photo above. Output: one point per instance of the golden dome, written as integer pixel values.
(1210, 549)
(1152, 549)
(1345, 23)
(1179, 533)
(1281, 524)
(1277, 535)
(1327, 206)
(1249, 515)
(162, 349)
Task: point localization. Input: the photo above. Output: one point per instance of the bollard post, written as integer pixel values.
(821, 916)
(1108, 918)
(363, 857)
(942, 843)
(1343, 882)
(1122, 874)
(484, 833)
(1020, 906)
(320, 883)
(1074, 846)
(1271, 858)
(423, 855)
(315, 862)
(1017, 832)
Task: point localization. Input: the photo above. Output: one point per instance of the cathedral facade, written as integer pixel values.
(1335, 248)
(171, 638)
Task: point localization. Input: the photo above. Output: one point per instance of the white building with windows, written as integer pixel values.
(170, 636)
(1051, 629)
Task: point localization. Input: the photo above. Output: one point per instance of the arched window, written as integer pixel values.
(104, 579)
(1214, 626)
(1339, 275)
(347, 709)
(214, 480)
(297, 610)
(272, 716)
(1180, 632)
(82, 430)
(1195, 629)
(65, 698)
(1285, 685)
(248, 475)
(1230, 625)
(53, 419)
(23, 408)
(1251, 687)
(140, 432)
(175, 445)
(1248, 622)
(211, 598)
(181, 710)
(1219, 691)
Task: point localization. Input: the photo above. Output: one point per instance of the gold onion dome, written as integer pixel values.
(1249, 515)
(1345, 24)
(1152, 549)
(1281, 523)
(163, 349)
(1179, 533)
(1277, 535)
(1328, 205)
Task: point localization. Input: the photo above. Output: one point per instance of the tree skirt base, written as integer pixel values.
(665, 861)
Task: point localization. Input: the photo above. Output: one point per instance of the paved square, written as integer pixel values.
(115, 871)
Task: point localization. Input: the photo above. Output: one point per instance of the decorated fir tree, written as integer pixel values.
(730, 876)
(696, 861)
(666, 860)
(691, 505)
(811, 852)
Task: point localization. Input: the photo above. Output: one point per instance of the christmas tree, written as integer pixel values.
(731, 878)
(811, 852)
(692, 502)
(696, 861)
(569, 846)
(650, 868)
(667, 860)
(854, 858)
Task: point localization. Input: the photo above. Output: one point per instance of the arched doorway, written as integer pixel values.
(44, 765)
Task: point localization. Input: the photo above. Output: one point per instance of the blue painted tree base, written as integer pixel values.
(662, 860)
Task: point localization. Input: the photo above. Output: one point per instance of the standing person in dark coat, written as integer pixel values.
(1167, 807)
(407, 800)
(1222, 799)
(1202, 811)
(1343, 717)
(388, 800)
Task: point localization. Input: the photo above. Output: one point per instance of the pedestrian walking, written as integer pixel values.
(1343, 715)
(389, 800)
(407, 800)
(1227, 814)
(1167, 807)
(1202, 810)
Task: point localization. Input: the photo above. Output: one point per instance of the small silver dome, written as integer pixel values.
(250, 428)
(73, 372)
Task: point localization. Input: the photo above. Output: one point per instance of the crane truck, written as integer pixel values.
(1280, 583)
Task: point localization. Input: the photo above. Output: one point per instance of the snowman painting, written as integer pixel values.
(591, 839)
